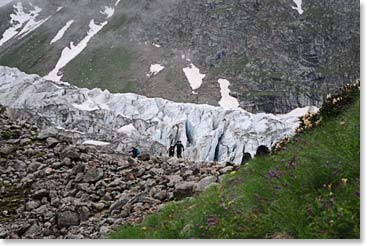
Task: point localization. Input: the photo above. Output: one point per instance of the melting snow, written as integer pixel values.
(194, 76)
(108, 11)
(155, 69)
(299, 6)
(18, 19)
(68, 54)
(227, 101)
(97, 143)
(62, 31)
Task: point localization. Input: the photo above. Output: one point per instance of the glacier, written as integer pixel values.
(209, 133)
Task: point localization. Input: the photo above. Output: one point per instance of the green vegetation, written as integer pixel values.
(106, 68)
(29, 54)
(309, 189)
(12, 198)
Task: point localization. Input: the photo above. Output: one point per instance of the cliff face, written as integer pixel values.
(275, 54)
(120, 121)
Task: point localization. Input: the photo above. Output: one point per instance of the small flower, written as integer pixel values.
(329, 186)
(233, 172)
(143, 228)
(344, 181)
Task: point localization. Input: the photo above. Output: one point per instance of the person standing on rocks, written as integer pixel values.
(180, 149)
(171, 151)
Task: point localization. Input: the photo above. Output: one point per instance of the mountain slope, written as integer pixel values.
(275, 57)
(308, 190)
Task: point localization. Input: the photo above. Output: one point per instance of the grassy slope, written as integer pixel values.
(314, 194)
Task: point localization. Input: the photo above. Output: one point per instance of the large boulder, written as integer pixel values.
(184, 189)
(67, 219)
(205, 183)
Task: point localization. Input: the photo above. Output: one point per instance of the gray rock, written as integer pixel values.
(84, 213)
(32, 205)
(122, 201)
(34, 166)
(184, 189)
(93, 175)
(40, 194)
(67, 219)
(226, 169)
(205, 183)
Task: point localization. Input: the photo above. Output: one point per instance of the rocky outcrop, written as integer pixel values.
(47, 194)
(120, 121)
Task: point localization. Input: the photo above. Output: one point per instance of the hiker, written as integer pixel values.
(135, 152)
(180, 149)
(171, 151)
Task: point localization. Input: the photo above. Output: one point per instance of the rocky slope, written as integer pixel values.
(51, 188)
(121, 121)
(276, 56)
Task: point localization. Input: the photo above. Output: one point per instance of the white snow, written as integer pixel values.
(20, 18)
(155, 69)
(32, 24)
(117, 2)
(95, 142)
(108, 11)
(62, 31)
(4, 2)
(59, 8)
(194, 76)
(227, 101)
(298, 7)
(127, 129)
(69, 53)
(156, 45)
(98, 102)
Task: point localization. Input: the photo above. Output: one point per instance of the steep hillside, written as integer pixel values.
(275, 55)
(309, 189)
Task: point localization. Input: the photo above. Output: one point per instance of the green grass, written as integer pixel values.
(106, 68)
(315, 193)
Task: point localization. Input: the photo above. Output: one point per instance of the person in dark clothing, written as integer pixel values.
(180, 149)
(135, 152)
(171, 151)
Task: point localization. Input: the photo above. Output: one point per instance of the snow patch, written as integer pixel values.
(155, 69)
(62, 31)
(95, 142)
(156, 45)
(108, 11)
(298, 7)
(227, 101)
(4, 2)
(117, 2)
(194, 76)
(69, 53)
(59, 8)
(20, 18)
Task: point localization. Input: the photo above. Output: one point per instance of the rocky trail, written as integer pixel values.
(50, 188)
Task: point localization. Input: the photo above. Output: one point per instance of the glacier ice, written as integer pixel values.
(124, 120)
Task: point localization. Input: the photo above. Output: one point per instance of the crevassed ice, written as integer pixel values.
(227, 101)
(298, 6)
(62, 31)
(194, 76)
